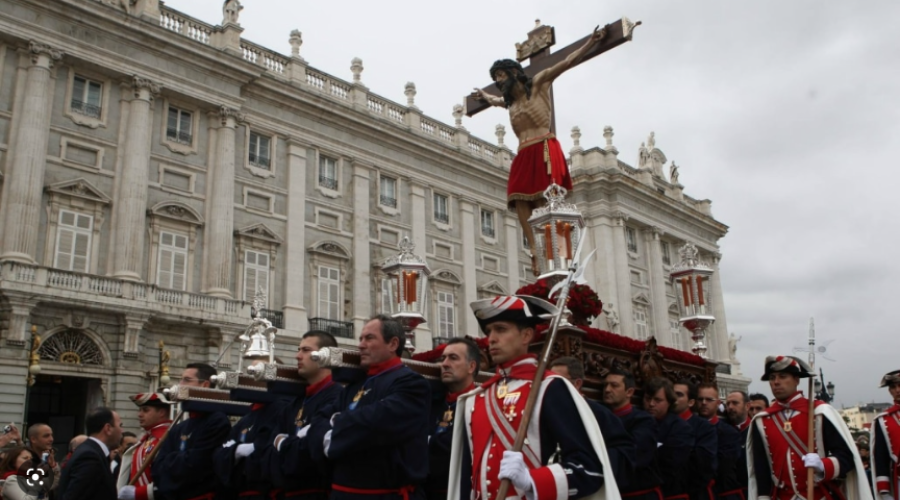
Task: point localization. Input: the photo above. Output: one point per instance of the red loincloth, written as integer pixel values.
(528, 177)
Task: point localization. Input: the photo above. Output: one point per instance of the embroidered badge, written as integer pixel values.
(244, 433)
(183, 445)
(788, 427)
(502, 390)
(359, 395)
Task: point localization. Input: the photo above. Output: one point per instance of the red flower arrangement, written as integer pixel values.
(584, 302)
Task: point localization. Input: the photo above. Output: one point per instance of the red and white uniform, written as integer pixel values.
(133, 460)
(885, 450)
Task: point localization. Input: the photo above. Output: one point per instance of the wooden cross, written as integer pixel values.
(536, 50)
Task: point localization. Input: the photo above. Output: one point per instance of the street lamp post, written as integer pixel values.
(824, 393)
(34, 369)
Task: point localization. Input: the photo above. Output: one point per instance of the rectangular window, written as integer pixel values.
(631, 239)
(446, 315)
(675, 329)
(172, 266)
(260, 148)
(179, 127)
(487, 223)
(328, 173)
(666, 253)
(441, 209)
(86, 97)
(641, 322)
(256, 274)
(388, 194)
(73, 241)
(329, 293)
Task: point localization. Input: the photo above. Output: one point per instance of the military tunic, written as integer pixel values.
(728, 454)
(673, 453)
(184, 465)
(645, 480)
(885, 444)
(443, 418)
(133, 460)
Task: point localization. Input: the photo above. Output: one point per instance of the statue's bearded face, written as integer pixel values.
(506, 81)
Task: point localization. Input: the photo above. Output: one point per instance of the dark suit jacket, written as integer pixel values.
(87, 476)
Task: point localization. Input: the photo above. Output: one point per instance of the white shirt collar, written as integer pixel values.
(102, 446)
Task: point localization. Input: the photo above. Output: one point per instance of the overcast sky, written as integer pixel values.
(784, 114)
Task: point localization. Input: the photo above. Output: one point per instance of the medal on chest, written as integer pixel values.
(299, 420)
(509, 405)
(244, 434)
(359, 395)
(183, 445)
(502, 389)
(446, 421)
(788, 427)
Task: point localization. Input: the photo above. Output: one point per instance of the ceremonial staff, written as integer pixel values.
(575, 272)
(155, 450)
(811, 441)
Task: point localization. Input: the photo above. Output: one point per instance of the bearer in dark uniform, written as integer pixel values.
(675, 439)
(240, 463)
(619, 444)
(704, 458)
(737, 406)
(728, 438)
(183, 469)
(293, 469)
(885, 444)
(459, 364)
(376, 433)
(779, 458)
(645, 480)
(491, 415)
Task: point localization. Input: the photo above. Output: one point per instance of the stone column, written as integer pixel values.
(219, 233)
(658, 282)
(24, 179)
(295, 314)
(131, 204)
(512, 253)
(720, 329)
(604, 267)
(418, 214)
(623, 276)
(361, 265)
(470, 283)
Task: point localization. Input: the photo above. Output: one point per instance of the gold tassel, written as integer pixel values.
(547, 158)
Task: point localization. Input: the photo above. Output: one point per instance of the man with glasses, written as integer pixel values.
(704, 460)
(184, 466)
(885, 443)
(727, 486)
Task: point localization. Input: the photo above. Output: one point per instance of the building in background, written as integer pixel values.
(861, 416)
(159, 171)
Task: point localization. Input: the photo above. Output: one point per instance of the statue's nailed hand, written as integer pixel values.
(478, 94)
(599, 33)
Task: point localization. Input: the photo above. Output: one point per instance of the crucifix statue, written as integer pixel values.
(527, 94)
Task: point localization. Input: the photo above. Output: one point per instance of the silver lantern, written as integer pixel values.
(408, 277)
(691, 280)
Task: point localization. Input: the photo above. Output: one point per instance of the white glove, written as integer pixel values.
(326, 442)
(244, 450)
(303, 431)
(126, 493)
(886, 496)
(814, 461)
(228, 443)
(513, 467)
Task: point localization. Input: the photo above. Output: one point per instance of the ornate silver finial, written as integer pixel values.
(555, 195)
(406, 246)
(690, 258)
(410, 92)
(500, 131)
(356, 66)
(296, 40)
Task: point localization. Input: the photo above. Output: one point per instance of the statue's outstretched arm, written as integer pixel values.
(548, 75)
(489, 98)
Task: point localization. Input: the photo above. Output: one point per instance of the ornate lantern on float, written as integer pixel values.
(408, 277)
(691, 280)
(558, 227)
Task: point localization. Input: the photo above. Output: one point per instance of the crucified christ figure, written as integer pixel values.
(540, 160)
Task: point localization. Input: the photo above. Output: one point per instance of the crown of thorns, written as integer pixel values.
(506, 64)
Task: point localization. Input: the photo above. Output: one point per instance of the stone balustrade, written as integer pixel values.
(65, 285)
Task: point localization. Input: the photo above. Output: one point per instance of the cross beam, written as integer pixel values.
(617, 33)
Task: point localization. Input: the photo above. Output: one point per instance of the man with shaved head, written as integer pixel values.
(73, 443)
(40, 439)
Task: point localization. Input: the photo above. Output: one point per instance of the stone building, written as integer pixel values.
(157, 171)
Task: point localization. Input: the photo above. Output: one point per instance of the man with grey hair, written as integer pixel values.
(459, 363)
(377, 435)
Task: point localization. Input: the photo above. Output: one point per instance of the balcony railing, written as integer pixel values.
(442, 217)
(86, 109)
(328, 182)
(179, 136)
(388, 201)
(274, 317)
(436, 341)
(342, 329)
(260, 161)
(487, 231)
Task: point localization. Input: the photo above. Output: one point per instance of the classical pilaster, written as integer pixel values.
(219, 241)
(362, 268)
(512, 253)
(133, 326)
(470, 284)
(623, 276)
(295, 314)
(720, 328)
(18, 318)
(603, 267)
(417, 215)
(24, 181)
(130, 206)
(658, 287)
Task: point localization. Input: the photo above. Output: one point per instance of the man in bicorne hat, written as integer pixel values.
(481, 455)
(885, 444)
(153, 415)
(777, 452)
